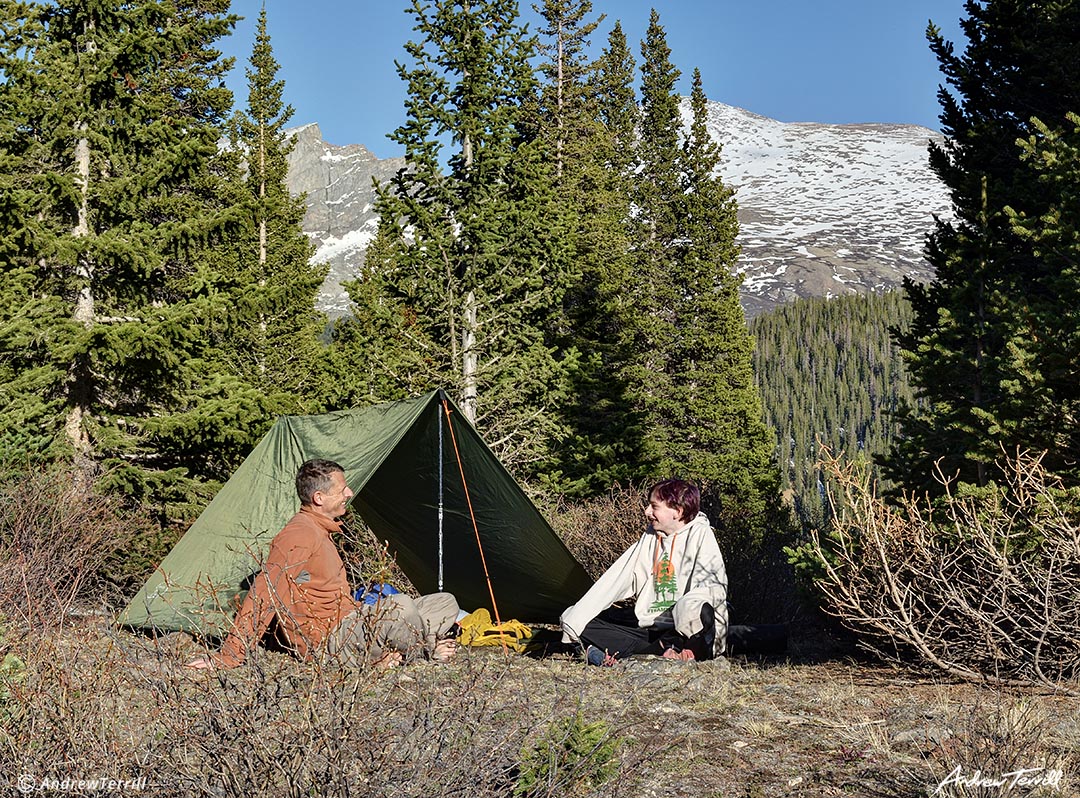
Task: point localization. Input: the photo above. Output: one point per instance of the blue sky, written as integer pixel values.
(838, 61)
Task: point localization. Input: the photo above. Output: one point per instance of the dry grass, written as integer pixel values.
(102, 702)
(80, 699)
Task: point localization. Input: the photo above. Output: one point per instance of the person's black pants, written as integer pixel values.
(616, 632)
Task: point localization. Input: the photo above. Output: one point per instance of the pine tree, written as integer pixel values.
(980, 329)
(592, 175)
(483, 267)
(693, 377)
(382, 352)
(1046, 361)
(570, 127)
(273, 340)
(654, 295)
(26, 365)
(121, 194)
(720, 436)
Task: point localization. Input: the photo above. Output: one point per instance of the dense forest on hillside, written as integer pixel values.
(830, 374)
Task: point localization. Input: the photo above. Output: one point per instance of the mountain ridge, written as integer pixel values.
(824, 209)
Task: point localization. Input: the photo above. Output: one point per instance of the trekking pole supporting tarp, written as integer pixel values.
(441, 506)
(472, 515)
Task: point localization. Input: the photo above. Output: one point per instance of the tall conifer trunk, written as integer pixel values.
(78, 382)
(468, 358)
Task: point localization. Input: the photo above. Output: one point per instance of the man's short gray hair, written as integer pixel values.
(314, 476)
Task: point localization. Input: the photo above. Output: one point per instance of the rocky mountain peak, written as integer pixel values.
(340, 201)
(824, 209)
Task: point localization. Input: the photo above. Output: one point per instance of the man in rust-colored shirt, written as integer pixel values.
(304, 585)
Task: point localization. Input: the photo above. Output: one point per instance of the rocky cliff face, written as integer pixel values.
(823, 209)
(340, 216)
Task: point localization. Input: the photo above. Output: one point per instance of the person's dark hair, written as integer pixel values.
(678, 494)
(314, 476)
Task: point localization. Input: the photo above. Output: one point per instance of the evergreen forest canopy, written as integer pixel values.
(558, 253)
(831, 376)
(993, 349)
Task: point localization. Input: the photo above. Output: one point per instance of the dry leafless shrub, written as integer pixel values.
(597, 531)
(999, 740)
(369, 560)
(116, 706)
(984, 586)
(85, 703)
(60, 547)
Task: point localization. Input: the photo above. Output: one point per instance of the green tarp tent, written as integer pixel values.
(391, 456)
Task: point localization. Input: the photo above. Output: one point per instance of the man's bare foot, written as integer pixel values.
(390, 659)
(444, 650)
(686, 655)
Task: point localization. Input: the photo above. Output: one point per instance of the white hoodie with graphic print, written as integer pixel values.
(643, 571)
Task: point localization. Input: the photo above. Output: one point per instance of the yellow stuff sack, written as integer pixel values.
(477, 629)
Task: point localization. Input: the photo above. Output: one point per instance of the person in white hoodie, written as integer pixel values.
(675, 573)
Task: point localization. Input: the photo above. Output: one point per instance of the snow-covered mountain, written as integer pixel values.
(823, 209)
(826, 209)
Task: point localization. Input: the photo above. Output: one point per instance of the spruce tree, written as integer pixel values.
(569, 125)
(482, 268)
(1045, 361)
(721, 437)
(693, 374)
(273, 339)
(121, 194)
(382, 352)
(985, 327)
(592, 175)
(655, 296)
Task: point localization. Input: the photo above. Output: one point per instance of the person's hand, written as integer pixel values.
(200, 664)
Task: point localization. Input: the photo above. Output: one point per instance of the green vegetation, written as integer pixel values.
(971, 566)
(558, 259)
(591, 128)
(569, 275)
(141, 338)
(559, 253)
(574, 755)
(114, 198)
(992, 348)
(466, 300)
(830, 376)
(273, 339)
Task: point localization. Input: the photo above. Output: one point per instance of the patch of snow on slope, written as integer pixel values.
(352, 241)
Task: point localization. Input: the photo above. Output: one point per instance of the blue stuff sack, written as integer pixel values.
(374, 592)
